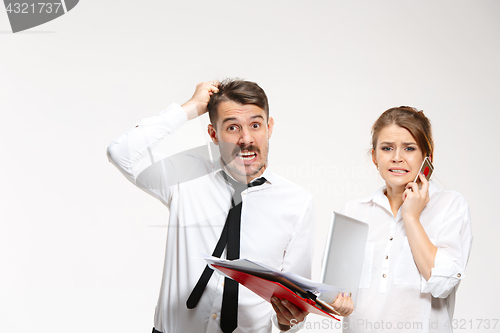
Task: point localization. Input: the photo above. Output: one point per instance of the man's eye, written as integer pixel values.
(255, 126)
(232, 128)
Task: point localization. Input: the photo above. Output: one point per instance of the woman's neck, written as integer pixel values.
(395, 196)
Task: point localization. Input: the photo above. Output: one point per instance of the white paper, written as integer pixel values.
(258, 269)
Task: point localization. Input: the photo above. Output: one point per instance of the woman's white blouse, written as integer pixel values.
(393, 295)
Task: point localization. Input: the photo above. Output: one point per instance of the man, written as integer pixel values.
(202, 191)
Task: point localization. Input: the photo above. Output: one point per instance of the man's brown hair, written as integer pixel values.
(238, 91)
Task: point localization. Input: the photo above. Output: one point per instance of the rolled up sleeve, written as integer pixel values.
(453, 248)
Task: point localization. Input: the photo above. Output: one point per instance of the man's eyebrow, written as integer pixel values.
(234, 118)
(228, 119)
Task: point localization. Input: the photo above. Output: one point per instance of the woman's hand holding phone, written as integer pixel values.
(415, 198)
(420, 200)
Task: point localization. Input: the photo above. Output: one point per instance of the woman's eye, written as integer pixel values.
(386, 148)
(411, 148)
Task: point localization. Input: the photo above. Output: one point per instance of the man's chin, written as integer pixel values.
(242, 171)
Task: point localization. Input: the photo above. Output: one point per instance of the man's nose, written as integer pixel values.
(246, 137)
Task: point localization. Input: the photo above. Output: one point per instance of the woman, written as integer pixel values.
(419, 238)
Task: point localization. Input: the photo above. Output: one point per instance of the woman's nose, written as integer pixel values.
(397, 156)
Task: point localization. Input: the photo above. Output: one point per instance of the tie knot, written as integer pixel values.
(257, 182)
(239, 187)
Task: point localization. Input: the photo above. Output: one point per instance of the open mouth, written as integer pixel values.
(399, 171)
(246, 156)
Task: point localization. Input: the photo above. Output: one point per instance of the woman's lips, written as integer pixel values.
(399, 171)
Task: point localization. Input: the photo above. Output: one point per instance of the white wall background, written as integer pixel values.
(78, 246)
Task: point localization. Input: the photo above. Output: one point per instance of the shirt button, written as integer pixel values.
(214, 315)
(459, 275)
(386, 257)
(383, 275)
(391, 238)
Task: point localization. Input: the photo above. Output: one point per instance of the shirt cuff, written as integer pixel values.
(444, 277)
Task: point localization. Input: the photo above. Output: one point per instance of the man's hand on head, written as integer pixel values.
(197, 105)
(287, 313)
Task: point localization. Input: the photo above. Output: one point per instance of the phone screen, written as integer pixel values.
(427, 169)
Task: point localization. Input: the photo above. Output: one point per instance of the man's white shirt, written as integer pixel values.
(276, 224)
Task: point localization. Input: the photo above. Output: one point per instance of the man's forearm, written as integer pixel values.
(130, 150)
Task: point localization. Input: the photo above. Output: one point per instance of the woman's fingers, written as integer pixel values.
(343, 304)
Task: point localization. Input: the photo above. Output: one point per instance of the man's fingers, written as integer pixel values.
(281, 309)
(287, 310)
(293, 310)
(279, 315)
(208, 86)
(197, 105)
(213, 85)
(282, 314)
(213, 90)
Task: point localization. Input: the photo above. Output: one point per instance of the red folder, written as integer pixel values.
(266, 289)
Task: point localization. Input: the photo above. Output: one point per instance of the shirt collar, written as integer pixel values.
(380, 198)
(432, 188)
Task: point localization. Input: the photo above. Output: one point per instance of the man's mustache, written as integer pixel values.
(241, 148)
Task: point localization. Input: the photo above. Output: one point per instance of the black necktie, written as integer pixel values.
(231, 236)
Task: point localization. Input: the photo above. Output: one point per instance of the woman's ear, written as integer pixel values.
(374, 158)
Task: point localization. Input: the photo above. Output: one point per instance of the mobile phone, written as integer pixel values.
(427, 169)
